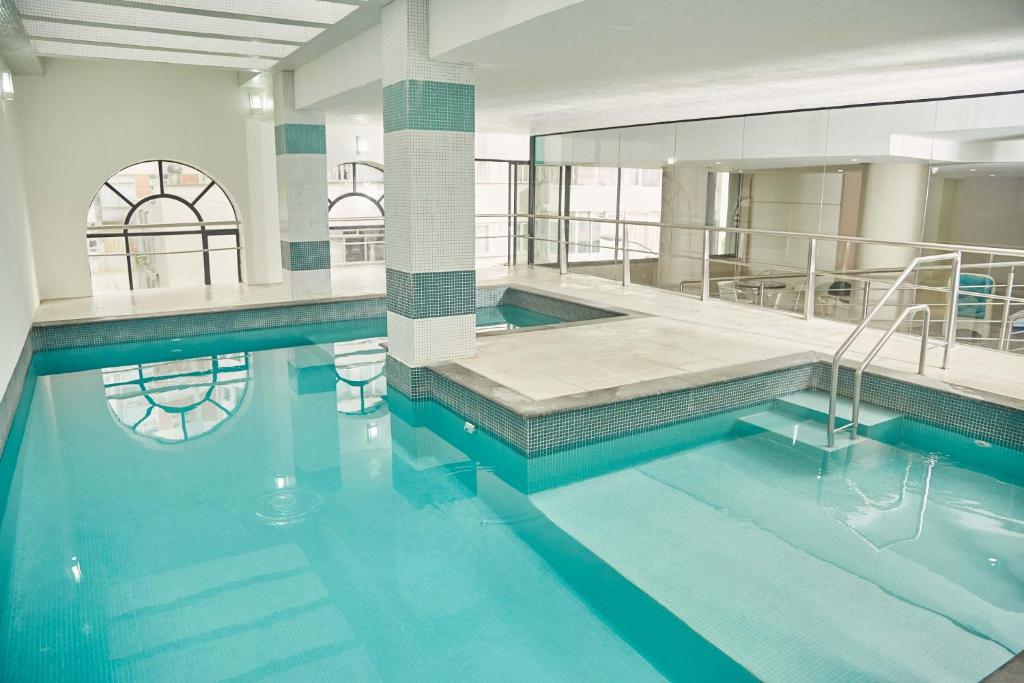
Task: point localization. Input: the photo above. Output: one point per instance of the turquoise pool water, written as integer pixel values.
(209, 509)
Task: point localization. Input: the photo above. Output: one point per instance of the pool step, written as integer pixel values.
(807, 435)
(875, 422)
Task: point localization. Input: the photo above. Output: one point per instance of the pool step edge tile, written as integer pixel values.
(808, 436)
(875, 422)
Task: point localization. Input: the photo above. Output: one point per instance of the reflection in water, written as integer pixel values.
(179, 400)
(334, 533)
(359, 366)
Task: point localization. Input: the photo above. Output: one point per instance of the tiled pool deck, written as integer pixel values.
(677, 336)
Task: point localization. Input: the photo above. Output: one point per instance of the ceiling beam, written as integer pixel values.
(154, 48)
(18, 53)
(209, 13)
(169, 31)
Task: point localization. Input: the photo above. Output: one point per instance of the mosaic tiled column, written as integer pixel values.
(429, 188)
(301, 143)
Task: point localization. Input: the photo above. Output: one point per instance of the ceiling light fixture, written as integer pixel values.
(255, 103)
(855, 160)
(972, 170)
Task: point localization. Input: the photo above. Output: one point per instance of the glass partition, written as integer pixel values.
(868, 185)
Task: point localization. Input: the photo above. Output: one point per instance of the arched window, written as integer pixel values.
(180, 400)
(161, 224)
(356, 212)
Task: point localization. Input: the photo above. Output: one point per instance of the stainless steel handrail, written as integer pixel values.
(859, 374)
(932, 246)
(954, 295)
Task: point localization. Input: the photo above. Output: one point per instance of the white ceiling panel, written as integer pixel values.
(315, 11)
(72, 12)
(53, 49)
(136, 38)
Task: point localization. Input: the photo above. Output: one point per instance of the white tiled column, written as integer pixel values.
(300, 140)
(429, 124)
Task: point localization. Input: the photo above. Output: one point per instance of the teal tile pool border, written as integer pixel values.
(47, 337)
(121, 330)
(542, 433)
(970, 417)
(13, 392)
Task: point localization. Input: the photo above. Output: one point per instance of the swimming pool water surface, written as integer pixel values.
(209, 509)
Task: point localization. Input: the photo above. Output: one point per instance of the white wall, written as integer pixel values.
(18, 295)
(341, 144)
(83, 121)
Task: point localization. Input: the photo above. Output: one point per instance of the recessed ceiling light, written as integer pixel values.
(718, 163)
(972, 170)
(991, 175)
(855, 160)
(839, 171)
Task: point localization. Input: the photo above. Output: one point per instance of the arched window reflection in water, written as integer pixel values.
(178, 400)
(360, 368)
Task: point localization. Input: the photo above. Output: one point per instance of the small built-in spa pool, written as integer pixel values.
(263, 505)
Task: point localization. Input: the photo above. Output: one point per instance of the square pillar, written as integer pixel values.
(300, 141)
(429, 185)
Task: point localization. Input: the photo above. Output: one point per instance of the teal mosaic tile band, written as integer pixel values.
(13, 392)
(431, 295)
(128, 330)
(429, 105)
(99, 333)
(536, 436)
(969, 417)
(300, 138)
(313, 255)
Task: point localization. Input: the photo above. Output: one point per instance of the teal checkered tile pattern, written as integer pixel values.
(102, 332)
(970, 417)
(315, 255)
(300, 138)
(431, 295)
(429, 105)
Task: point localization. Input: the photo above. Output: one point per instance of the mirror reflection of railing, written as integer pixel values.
(179, 400)
(990, 309)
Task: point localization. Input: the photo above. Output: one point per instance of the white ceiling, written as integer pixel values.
(608, 62)
(601, 63)
(235, 34)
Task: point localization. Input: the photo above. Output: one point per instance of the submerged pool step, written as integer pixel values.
(875, 422)
(807, 435)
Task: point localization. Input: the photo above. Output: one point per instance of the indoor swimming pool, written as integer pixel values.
(263, 505)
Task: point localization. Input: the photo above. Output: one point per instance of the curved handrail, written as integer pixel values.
(954, 293)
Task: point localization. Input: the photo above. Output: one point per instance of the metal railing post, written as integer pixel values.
(951, 314)
(866, 301)
(886, 295)
(1004, 338)
(705, 268)
(810, 296)
(563, 247)
(625, 254)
